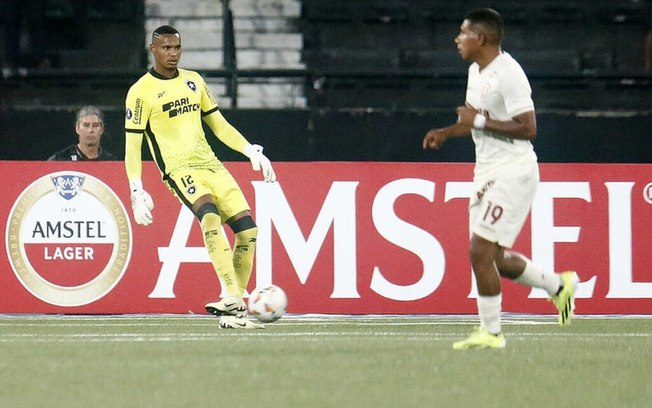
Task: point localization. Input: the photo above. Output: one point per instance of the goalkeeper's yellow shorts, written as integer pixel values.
(189, 184)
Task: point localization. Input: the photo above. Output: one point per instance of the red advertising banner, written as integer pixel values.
(339, 237)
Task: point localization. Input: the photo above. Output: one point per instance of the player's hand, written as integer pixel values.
(434, 139)
(259, 162)
(141, 203)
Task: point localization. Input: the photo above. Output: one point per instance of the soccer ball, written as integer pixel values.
(268, 303)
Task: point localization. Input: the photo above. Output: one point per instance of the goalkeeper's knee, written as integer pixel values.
(244, 223)
(206, 208)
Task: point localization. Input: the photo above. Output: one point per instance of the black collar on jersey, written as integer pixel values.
(83, 156)
(159, 76)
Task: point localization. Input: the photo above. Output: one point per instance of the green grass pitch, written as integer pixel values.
(321, 361)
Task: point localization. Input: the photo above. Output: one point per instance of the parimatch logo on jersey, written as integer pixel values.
(68, 239)
(179, 107)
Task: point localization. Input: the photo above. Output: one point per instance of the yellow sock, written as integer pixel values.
(220, 253)
(243, 256)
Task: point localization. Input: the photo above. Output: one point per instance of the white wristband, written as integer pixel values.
(251, 149)
(135, 184)
(248, 150)
(480, 121)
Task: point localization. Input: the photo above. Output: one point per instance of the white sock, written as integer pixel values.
(537, 277)
(489, 311)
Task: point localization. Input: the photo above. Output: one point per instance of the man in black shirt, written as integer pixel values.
(89, 127)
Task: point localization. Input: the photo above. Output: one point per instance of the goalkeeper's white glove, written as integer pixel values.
(260, 162)
(141, 203)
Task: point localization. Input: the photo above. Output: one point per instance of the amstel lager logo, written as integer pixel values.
(68, 239)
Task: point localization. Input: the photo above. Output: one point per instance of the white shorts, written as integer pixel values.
(499, 207)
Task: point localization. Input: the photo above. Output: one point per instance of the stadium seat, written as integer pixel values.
(548, 62)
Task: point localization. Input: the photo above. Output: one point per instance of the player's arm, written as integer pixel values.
(517, 95)
(211, 114)
(141, 201)
(231, 137)
(226, 132)
(522, 126)
(133, 154)
(435, 138)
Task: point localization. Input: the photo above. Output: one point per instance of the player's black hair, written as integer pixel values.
(164, 29)
(490, 23)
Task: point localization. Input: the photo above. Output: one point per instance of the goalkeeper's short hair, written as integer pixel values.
(164, 29)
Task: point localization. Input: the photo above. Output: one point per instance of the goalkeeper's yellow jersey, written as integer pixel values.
(169, 112)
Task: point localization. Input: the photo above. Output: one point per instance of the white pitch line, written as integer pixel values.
(309, 336)
(303, 317)
(295, 320)
(72, 321)
(213, 323)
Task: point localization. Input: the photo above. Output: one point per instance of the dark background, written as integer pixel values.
(378, 75)
(306, 135)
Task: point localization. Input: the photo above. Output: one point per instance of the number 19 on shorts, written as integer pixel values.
(493, 213)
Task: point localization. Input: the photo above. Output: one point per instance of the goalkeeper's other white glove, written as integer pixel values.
(141, 203)
(259, 162)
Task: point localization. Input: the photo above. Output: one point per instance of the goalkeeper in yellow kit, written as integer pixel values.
(167, 106)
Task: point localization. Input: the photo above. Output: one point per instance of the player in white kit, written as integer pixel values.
(499, 115)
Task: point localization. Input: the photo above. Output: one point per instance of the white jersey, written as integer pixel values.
(502, 90)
